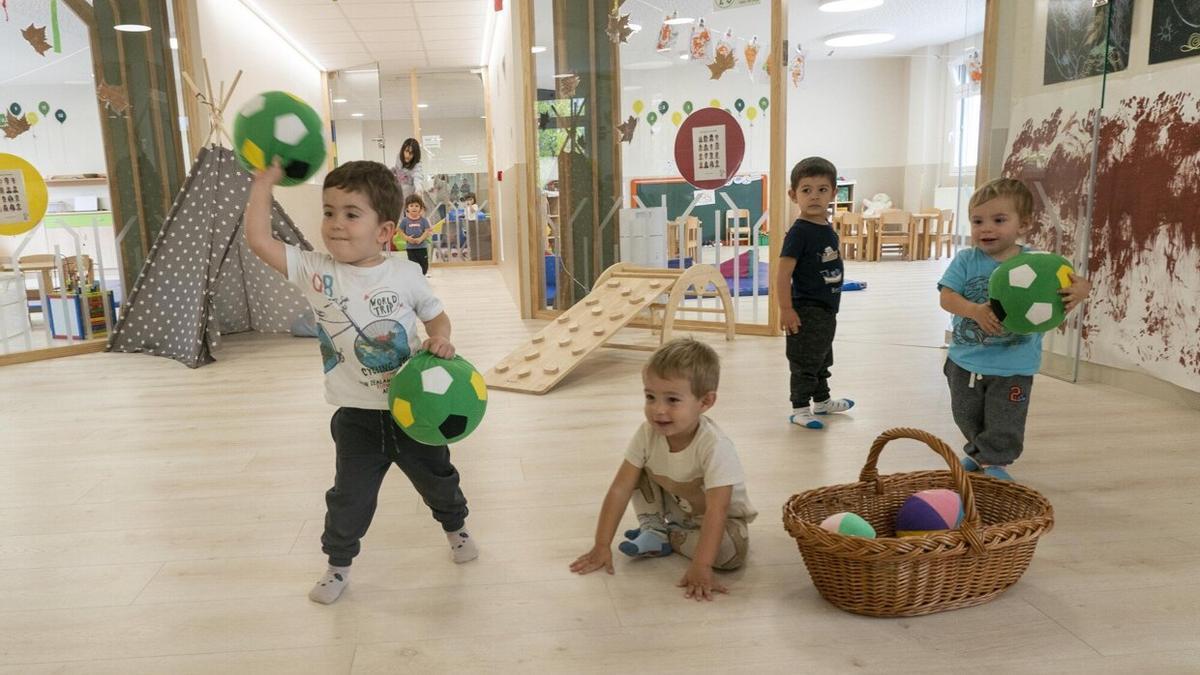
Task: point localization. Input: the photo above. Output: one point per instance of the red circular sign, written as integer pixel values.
(709, 148)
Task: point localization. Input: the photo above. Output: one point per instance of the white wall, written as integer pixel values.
(506, 89)
(231, 38)
(72, 147)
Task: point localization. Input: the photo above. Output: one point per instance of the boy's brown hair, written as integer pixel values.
(1012, 188)
(811, 167)
(690, 359)
(414, 199)
(372, 179)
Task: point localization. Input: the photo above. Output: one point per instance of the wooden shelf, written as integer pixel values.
(76, 181)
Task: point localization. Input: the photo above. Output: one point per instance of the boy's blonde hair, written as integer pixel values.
(688, 358)
(1012, 188)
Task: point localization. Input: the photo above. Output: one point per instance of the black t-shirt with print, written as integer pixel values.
(817, 279)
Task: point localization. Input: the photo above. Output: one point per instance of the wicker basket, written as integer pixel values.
(890, 576)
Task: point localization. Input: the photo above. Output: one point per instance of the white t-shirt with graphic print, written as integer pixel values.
(709, 461)
(366, 321)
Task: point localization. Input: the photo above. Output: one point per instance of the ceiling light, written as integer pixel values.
(684, 57)
(422, 105)
(847, 5)
(483, 117)
(678, 20)
(173, 42)
(356, 114)
(858, 38)
(131, 28)
(537, 49)
(563, 75)
(635, 27)
(339, 100)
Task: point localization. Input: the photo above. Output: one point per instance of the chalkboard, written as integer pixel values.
(748, 192)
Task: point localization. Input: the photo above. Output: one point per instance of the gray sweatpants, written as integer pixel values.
(658, 509)
(990, 411)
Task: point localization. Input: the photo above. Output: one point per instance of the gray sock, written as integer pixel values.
(331, 585)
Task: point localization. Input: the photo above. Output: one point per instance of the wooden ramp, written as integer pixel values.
(619, 295)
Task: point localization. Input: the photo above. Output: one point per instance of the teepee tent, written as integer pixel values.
(201, 280)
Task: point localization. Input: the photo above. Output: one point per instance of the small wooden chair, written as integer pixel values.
(895, 229)
(853, 235)
(691, 235)
(739, 234)
(943, 234)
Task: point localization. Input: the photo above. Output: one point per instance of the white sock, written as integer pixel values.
(462, 546)
(832, 405)
(331, 585)
(804, 417)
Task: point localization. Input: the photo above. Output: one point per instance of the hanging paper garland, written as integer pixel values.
(688, 107)
(15, 108)
(700, 39)
(763, 103)
(798, 66)
(663, 107)
(60, 115)
(44, 107)
(750, 53)
(667, 34)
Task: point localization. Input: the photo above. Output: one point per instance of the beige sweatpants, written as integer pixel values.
(658, 509)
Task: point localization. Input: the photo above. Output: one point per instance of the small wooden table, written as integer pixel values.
(923, 222)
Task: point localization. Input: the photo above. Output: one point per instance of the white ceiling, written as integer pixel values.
(20, 64)
(448, 95)
(399, 34)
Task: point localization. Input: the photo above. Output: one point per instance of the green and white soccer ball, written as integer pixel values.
(1023, 291)
(278, 124)
(437, 401)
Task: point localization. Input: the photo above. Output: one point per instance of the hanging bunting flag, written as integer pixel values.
(725, 46)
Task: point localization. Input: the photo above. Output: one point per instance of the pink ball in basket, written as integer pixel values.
(929, 511)
(849, 524)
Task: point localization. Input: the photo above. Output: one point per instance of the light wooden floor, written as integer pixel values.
(159, 519)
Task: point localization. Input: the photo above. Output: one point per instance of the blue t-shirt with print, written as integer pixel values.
(414, 229)
(971, 348)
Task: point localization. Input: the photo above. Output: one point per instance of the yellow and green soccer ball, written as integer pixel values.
(437, 401)
(277, 124)
(1023, 291)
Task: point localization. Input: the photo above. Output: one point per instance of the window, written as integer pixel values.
(966, 132)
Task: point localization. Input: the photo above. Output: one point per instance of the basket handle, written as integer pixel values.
(870, 473)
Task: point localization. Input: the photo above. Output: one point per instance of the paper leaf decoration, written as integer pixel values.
(36, 37)
(567, 85)
(113, 97)
(618, 28)
(626, 129)
(721, 64)
(15, 127)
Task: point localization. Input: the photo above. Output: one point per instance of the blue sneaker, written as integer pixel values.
(633, 534)
(970, 464)
(997, 471)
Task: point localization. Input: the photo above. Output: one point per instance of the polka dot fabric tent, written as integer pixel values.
(201, 279)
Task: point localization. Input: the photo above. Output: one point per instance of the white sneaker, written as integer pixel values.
(803, 417)
(833, 405)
